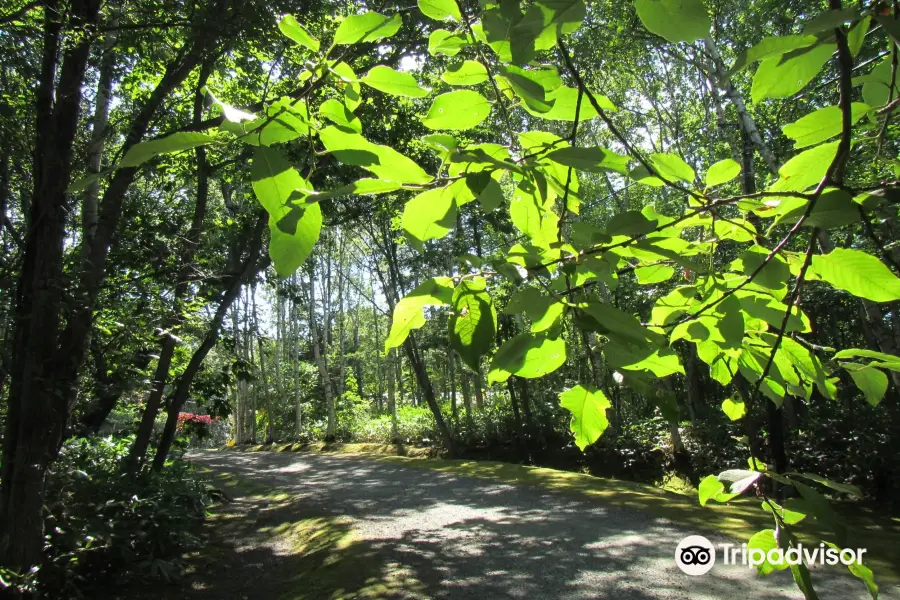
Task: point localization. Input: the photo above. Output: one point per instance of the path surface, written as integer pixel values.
(465, 537)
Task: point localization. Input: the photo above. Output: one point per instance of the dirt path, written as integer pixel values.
(373, 529)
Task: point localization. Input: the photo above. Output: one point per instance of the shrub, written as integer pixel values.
(101, 523)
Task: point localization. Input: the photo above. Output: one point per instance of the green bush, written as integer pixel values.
(102, 523)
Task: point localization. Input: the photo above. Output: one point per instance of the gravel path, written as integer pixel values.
(466, 537)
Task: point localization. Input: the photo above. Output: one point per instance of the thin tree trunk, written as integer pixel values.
(98, 143)
(252, 265)
(185, 274)
(267, 398)
(321, 363)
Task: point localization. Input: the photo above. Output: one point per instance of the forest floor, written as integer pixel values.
(312, 525)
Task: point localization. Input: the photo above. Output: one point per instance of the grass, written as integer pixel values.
(878, 533)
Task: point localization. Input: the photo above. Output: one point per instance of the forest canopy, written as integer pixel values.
(633, 238)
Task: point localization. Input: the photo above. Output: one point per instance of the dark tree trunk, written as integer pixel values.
(252, 265)
(176, 317)
(37, 409)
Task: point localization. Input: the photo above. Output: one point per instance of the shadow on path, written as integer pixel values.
(374, 529)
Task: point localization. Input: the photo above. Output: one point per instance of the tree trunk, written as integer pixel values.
(319, 356)
(428, 392)
(267, 398)
(185, 274)
(252, 265)
(37, 408)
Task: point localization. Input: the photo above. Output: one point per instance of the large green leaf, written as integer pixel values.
(588, 407)
(176, 142)
(385, 79)
(672, 167)
(528, 214)
(462, 109)
(834, 208)
(675, 20)
(409, 312)
(294, 229)
(806, 169)
(765, 541)
(565, 100)
(289, 26)
(771, 46)
(445, 42)
(871, 382)
(386, 163)
(367, 27)
(473, 323)
(440, 10)
(821, 125)
(340, 115)
(591, 160)
(469, 72)
(734, 408)
(784, 75)
(859, 273)
(722, 172)
(527, 355)
(429, 216)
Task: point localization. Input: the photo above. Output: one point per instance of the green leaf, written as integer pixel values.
(340, 115)
(709, 488)
(528, 215)
(409, 312)
(429, 216)
(661, 363)
(386, 163)
(675, 20)
(360, 187)
(857, 35)
(734, 408)
(440, 10)
(821, 125)
(176, 142)
(859, 273)
(631, 223)
(462, 109)
(672, 167)
(473, 323)
(854, 352)
(385, 79)
(834, 208)
(294, 229)
(469, 72)
(770, 47)
(591, 160)
(862, 572)
(565, 100)
(871, 382)
(765, 540)
(806, 169)
(367, 27)
(844, 488)
(528, 90)
(527, 355)
(654, 274)
(785, 75)
(445, 42)
(740, 479)
(588, 407)
(289, 26)
(790, 517)
(722, 172)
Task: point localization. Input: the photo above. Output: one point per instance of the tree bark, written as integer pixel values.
(37, 410)
(252, 265)
(321, 361)
(176, 316)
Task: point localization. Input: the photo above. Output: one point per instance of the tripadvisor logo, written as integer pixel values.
(696, 555)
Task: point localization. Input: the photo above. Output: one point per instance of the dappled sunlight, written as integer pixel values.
(445, 534)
